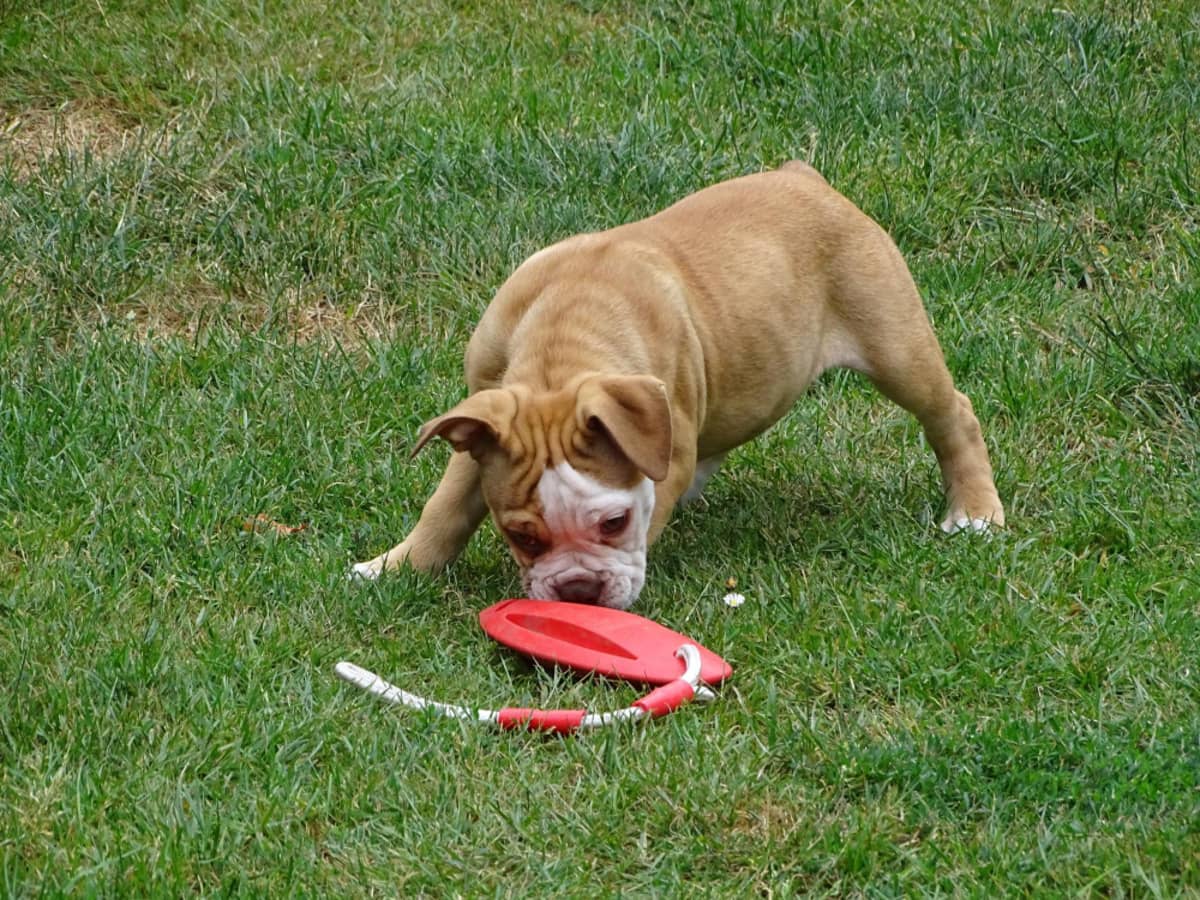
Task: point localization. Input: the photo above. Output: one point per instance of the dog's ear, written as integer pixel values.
(633, 412)
(472, 425)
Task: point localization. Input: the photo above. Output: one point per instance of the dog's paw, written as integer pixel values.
(955, 523)
(364, 571)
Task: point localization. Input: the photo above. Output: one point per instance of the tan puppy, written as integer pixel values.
(613, 371)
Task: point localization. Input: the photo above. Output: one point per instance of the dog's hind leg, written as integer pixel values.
(922, 385)
(893, 344)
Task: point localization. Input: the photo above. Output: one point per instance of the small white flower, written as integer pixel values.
(732, 599)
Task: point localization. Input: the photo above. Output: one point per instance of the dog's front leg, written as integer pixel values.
(671, 490)
(447, 522)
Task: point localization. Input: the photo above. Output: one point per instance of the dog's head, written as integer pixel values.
(569, 478)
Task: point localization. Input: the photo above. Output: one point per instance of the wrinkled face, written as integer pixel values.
(580, 540)
(569, 478)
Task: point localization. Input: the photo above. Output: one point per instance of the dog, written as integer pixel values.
(613, 371)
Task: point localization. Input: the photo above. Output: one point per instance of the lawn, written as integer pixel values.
(242, 247)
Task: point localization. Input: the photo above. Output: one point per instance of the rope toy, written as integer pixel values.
(588, 639)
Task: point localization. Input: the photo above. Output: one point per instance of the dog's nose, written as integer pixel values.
(580, 590)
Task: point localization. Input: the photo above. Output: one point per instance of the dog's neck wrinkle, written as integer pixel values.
(551, 372)
(568, 329)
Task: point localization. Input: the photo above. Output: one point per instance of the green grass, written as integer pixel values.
(241, 250)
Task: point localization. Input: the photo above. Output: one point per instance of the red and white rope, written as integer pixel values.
(658, 702)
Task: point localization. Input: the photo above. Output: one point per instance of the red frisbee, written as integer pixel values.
(596, 639)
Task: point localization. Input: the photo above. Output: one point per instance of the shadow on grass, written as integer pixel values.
(757, 518)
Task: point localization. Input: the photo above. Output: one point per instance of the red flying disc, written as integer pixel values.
(596, 639)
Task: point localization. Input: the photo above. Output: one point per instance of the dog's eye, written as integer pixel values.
(527, 543)
(614, 525)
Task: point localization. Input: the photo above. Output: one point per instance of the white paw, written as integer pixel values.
(367, 571)
(955, 524)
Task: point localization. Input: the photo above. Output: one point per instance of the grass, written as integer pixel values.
(241, 249)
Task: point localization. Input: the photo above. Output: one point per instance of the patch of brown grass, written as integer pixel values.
(197, 306)
(189, 305)
(77, 129)
(319, 318)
